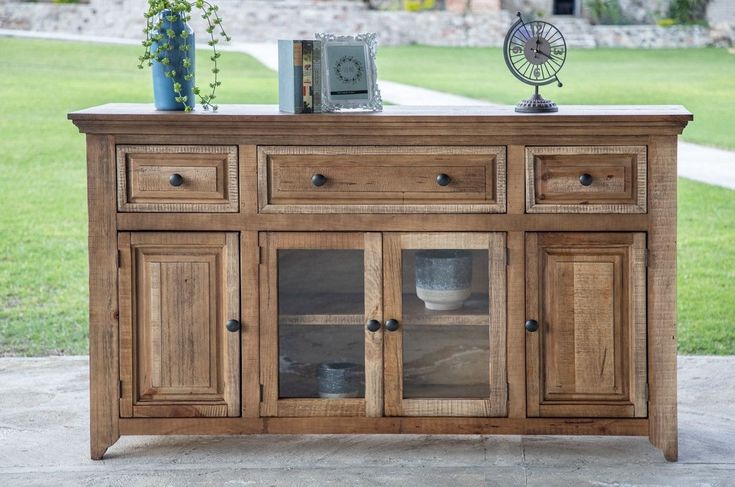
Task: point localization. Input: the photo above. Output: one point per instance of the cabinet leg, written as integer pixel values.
(663, 432)
(98, 446)
(669, 448)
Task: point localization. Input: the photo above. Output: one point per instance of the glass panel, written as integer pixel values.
(446, 333)
(320, 323)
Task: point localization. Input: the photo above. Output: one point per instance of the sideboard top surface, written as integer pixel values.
(122, 117)
(499, 113)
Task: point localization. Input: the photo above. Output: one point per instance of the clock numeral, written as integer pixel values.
(537, 72)
(559, 52)
(539, 28)
(516, 50)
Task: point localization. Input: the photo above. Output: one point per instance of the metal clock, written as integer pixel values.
(535, 52)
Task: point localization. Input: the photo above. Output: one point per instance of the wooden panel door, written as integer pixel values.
(587, 293)
(177, 293)
(321, 334)
(445, 328)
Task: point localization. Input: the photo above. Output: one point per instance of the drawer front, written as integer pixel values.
(381, 179)
(590, 179)
(177, 178)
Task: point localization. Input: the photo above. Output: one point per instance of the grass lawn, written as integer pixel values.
(699, 79)
(43, 222)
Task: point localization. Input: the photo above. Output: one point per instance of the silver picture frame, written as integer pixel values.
(354, 55)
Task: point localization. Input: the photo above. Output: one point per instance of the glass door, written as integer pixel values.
(321, 311)
(445, 319)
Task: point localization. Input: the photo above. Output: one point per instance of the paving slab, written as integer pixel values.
(44, 436)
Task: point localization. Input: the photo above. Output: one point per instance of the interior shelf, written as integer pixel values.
(341, 309)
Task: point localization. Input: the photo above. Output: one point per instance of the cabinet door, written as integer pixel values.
(177, 293)
(445, 348)
(587, 293)
(319, 293)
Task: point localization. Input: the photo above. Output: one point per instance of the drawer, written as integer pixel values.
(589, 179)
(177, 178)
(381, 179)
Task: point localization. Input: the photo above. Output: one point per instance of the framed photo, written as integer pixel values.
(349, 75)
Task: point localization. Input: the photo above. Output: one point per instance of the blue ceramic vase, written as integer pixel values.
(443, 278)
(338, 380)
(164, 96)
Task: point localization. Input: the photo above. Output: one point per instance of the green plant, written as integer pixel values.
(606, 12)
(173, 10)
(688, 12)
(666, 22)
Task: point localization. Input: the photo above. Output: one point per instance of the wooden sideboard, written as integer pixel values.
(234, 254)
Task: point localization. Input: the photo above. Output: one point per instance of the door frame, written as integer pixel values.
(393, 245)
(632, 400)
(221, 248)
(372, 404)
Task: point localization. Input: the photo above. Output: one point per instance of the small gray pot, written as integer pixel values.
(443, 278)
(338, 379)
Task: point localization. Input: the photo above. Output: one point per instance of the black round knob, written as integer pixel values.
(373, 325)
(531, 325)
(391, 325)
(443, 179)
(585, 179)
(318, 180)
(176, 179)
(233, 325)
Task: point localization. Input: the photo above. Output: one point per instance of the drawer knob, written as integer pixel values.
(233, 326)
(585, 179)
(373, 325)
(318, 180)
(443, 179)
(391, 325)
(176, 179)
(531, 325)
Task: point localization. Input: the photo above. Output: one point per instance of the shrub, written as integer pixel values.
(606, 12)
(688, 12)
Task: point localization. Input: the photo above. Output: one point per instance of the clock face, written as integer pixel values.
(535, 52)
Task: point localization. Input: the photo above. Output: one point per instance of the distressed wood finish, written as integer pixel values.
(103, 300)
(386, 425)
(250, 331)
(381, 179)
(209, 178)
(273, 404)
(514, 193)
(177, 292)
(588, 357)
(618, 179)
(494, 319)
(662, 298)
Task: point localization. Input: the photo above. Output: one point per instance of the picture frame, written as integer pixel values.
(349, 72)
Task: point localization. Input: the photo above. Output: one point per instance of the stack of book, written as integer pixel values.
(299, 76)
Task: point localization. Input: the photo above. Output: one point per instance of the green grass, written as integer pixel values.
(699, 79)
(43, 214)
(43, 217)
(706, 269)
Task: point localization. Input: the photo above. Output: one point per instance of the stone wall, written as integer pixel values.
(268, 20)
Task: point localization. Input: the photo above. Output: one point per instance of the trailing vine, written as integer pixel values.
(165, 40)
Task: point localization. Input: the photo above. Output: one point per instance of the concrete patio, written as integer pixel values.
(44, 441)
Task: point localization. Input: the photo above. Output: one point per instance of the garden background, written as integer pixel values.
(43, 222)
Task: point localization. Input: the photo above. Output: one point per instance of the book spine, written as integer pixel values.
(307, 82)
(298, 78)
(285, 76)
(317, 75)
